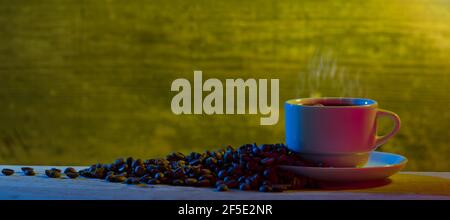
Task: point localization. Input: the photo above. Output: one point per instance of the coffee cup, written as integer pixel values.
(337, 132)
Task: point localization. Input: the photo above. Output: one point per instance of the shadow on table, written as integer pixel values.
(353, 185)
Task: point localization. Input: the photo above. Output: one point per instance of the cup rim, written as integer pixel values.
(366, 103)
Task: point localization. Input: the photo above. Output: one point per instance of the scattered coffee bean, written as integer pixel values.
(28, 171)
(72, 175)
(53, 173)
(70, 170)
(26, 168)
(56, 170)
(7, 172)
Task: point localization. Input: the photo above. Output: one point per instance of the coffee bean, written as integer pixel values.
(72, 175)
(266, 147)
(256, 151)
(217, 155)
(219, 182)
(211, 161)
(267, 161)
(222, 187)
(159, 175)
(150, 167)
(129, 161)
(227, 179)
(231, 171)
(232, 183)
(119, 162)
(228, 157)
(208, 177)
(120, 179)
(252, 165)
(204, 183)
(168, 174)
(266, 182)
(70, 170)
(153, 181)
(179, 173)
(181, 163)
(85, 173)
(124, 168)
(28, 171)
(191, 181)
(279, 188)
(26, 168)
(195, 162)
(145, 178)
(165, 180)
(100, 173)
(251, 182)
(53, 173)
(196, 170)
(110, 178)
(139, 171)
(7, 172)
(265, 188)
(177, 182)
(136, 163)
(132, 180)
(257, 177)
(222, 174)
(179, 155)
(244, 187)
(56, 170)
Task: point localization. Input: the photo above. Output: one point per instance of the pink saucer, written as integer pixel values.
(380, 166)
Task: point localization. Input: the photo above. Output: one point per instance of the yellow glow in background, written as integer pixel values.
(88, 81)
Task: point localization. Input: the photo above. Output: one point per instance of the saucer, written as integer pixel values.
(380, 166)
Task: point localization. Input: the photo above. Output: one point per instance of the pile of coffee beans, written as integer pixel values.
(249, 167)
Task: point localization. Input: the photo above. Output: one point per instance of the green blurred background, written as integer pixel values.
(85, 81)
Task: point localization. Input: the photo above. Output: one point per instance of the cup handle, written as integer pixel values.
(394, 117)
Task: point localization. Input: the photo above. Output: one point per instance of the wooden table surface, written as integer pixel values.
(405, 185)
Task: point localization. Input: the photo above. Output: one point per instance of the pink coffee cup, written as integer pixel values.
(338, 132)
